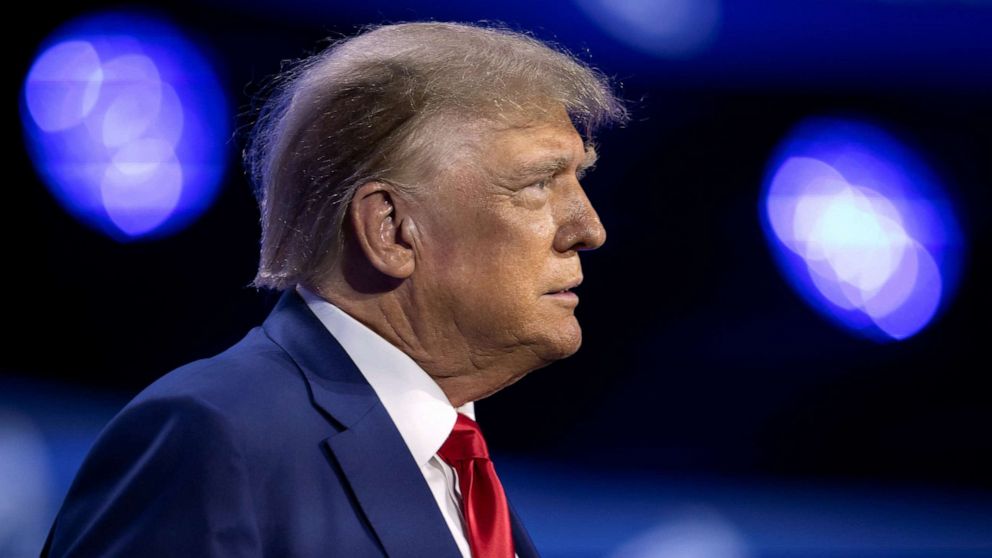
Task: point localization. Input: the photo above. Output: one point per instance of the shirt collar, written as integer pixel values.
(422, 413)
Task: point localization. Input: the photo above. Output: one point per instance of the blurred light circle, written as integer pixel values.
(693, 532)
(662, 28)
(142, 186)
(126, 124)
(63, 85)
(861, 227)
(133, 90)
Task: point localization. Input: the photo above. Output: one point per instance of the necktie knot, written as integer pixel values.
(465, 442)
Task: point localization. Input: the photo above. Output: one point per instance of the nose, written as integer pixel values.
(580, 227)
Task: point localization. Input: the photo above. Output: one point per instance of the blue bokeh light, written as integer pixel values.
(127, 124)
(668, 29)
(862, 229)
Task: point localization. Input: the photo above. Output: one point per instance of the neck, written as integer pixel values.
(463, 371)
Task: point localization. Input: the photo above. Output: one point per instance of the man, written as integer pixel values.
(422, 212)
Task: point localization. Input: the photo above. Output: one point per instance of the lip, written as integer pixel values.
(564, 296)
(567, 287)
(564, 293)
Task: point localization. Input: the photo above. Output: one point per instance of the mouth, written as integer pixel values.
(571, 285)
(565, 292)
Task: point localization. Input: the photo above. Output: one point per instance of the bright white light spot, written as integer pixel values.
(856, 232)
(862, 247)
(851, 238)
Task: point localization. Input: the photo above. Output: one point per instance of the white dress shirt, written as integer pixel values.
(419, 408)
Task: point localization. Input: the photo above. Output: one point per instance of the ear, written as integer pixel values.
(382, 231)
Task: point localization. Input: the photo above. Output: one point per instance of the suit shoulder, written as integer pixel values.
(253, 370)
(167, 476)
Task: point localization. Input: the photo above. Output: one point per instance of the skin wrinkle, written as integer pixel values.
(555, 166)
(466, 267)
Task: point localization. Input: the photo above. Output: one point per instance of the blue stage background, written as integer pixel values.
(711, 411)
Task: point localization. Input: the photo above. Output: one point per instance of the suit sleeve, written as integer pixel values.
(167, 477)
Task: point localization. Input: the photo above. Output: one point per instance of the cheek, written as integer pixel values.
(527, 235)
(509, 242)
(494, 260)
(515, 257)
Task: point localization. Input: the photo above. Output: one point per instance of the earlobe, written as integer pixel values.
(379, 230)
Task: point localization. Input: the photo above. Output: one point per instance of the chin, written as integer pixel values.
(563, 342)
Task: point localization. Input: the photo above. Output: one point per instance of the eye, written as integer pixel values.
(543, 184)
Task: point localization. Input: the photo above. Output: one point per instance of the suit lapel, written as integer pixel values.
(368, 448)
(390, 488)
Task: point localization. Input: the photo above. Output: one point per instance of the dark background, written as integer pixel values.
(698, 356)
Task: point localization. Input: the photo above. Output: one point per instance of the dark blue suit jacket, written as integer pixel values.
(275, 447)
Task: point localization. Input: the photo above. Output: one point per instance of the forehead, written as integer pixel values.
(531, 143)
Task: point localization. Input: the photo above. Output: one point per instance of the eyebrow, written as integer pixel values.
(557, 164)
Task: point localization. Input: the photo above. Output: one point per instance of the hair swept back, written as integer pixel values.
(364, 108)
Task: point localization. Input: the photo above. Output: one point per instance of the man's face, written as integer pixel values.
(502, 231)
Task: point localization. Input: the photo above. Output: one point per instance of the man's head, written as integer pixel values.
(430, 170)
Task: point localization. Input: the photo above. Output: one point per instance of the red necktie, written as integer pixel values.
(487, 516)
